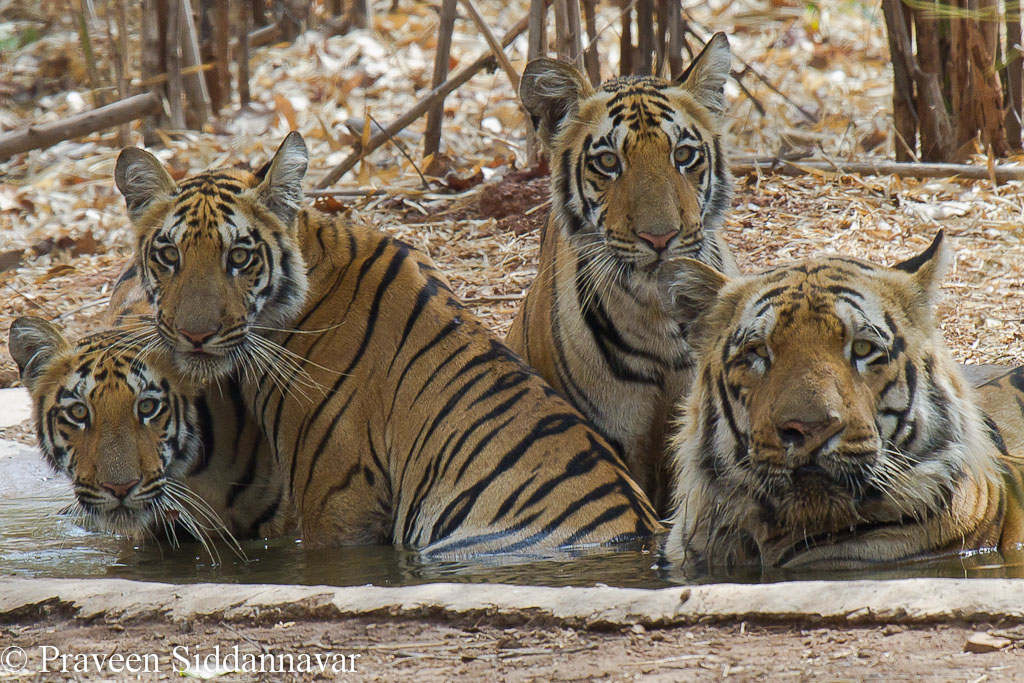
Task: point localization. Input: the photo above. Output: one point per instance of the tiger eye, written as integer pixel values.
(862, 348)
(761, 350)
(78, 411)
(169, 254)
(684, 156)
(238, 256)
(148, 406)
(608, 161)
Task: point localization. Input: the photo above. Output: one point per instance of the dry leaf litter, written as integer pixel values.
(821, 76)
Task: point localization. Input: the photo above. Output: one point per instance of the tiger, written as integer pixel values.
(147, 453)
(395, 415)
(828, 427)
(639, 176)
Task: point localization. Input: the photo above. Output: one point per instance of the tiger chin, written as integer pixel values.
(639, 177)
(146, 453)
(829, 427)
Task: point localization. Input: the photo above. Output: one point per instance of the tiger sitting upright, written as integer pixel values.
(828, 427)
(395, 415)
(639, 176)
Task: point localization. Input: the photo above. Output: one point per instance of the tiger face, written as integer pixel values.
(826, 405)
(637, 165)
(217, 253)
(114, 422)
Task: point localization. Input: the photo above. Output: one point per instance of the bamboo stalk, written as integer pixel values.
(590, 57)
(567, 32)
(221, 52)
(675, 39)
(1014, 74)
(421, 107)
(662, 10)
(537, 46)
(242, 56)
(934, 123)
(152, 58)
(174, 79)
(91, 70)
(435, 117)
(199, 108)
(645, 36)
(904, 111)
(258, 10)
(627, 52)
(362, 17)
(118, 19)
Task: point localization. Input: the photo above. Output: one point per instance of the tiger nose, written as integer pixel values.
(658, 242)
(197, 337)
(797, 432)
(120, 489)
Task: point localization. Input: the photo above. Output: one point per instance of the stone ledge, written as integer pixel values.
(905, 601)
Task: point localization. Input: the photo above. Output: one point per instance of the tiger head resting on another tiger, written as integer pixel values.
(639, 177)
(147, 451)
(829, 428)
(118, 424)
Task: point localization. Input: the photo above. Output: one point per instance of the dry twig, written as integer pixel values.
(76, 126)
(438, 93)
(877, 167)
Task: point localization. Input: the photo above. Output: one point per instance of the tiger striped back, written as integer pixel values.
(639, 176)
(394, 413)
(829, 427)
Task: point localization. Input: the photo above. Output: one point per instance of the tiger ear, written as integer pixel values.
(33, 343)
(280, 188)
(687, 288)
(928, 269)
(141, 178)
(705, 78)
(552, 91)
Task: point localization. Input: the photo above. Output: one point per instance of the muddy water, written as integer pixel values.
(36, 540)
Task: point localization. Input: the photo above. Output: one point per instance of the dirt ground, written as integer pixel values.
(436, 651)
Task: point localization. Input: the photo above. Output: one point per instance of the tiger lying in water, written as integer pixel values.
(395, 415)
(829, 427)
(147, 454)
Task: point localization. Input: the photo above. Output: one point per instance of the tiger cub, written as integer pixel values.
(395, 415)
(146, 453)
(828, 427)
(639, 176)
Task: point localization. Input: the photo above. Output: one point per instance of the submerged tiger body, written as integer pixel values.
(146, 453)
(395, 416)
(828, 427)
(639, 176)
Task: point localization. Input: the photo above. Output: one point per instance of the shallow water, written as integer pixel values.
(36, 541)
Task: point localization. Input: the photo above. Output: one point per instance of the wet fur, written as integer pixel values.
(907, 466)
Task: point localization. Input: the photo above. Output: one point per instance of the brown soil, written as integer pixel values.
(425, 650)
